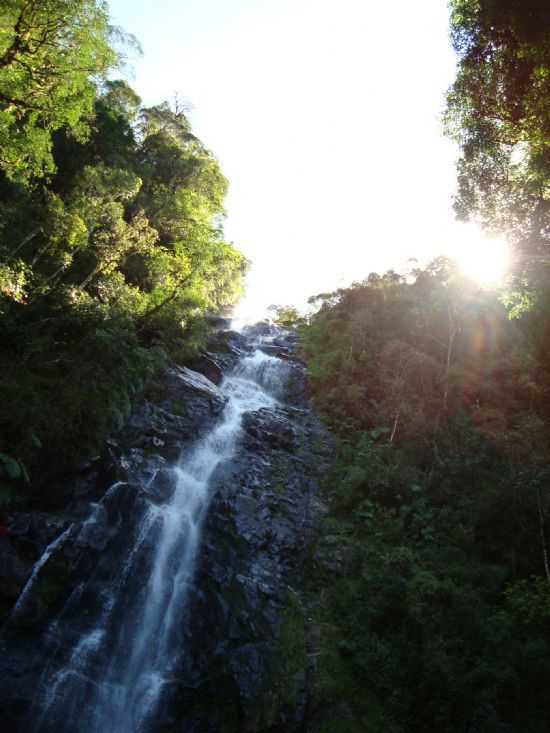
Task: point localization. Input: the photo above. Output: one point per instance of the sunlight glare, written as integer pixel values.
(482, 258)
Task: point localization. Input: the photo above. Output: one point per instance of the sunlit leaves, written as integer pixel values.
(50, 53)
(122, 251)
(499, 113)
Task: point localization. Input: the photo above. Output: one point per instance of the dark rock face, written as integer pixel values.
(243, 666)
(282, 352)
(135, 466)
(266, 429)
(258, 530)
(209, 365)
(224, 349)
(180, 408)
(63, 603)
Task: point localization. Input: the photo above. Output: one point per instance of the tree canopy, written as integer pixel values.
(51, 53)
(499, 112)
(431, 572)
(111, 233)
(433, 568)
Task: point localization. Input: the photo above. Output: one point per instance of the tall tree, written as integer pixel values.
(51, 54)
(499, 112)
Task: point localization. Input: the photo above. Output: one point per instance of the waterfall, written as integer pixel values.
(29, 585)
(115, 676)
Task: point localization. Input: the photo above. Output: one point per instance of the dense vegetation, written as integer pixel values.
(438, 613)
(499, 113)
(432, 580)
(111, 248)
(434, 609)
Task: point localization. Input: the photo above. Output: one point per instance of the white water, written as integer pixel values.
(142, 656)
(48, 552)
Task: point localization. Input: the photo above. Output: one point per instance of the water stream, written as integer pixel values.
(114, 678)
(29, 585)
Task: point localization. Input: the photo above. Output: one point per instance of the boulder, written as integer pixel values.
(209, 365)
(162, 487)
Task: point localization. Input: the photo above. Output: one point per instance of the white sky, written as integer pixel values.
(325, 117)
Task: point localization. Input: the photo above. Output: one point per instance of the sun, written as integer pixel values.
(482, 258)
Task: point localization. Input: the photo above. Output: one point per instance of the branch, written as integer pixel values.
(25, 240)
(16, 45)
(395, 424)
(169, 298)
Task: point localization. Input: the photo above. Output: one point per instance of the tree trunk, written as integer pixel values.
(25, 241)
(169, 298)
(395, 425)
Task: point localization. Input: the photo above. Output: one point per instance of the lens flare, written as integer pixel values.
(484, 259)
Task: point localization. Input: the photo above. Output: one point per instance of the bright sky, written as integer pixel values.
(325, 117)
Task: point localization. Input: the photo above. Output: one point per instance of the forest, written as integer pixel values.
(434, 610)
(112, 248)
(439, 393)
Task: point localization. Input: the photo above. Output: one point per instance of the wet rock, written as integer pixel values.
(218, 322)
(282, 352)
(95, 535)
(224, 349)
(263, 329)
(240, 627)
(260, 522)
(162, 487)
(230, 341)
(271, 428)
(180, 407)
(20, 525)
(209, 365)
(193, 393)
(288, 339)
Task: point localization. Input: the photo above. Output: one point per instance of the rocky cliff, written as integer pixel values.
(70, 576)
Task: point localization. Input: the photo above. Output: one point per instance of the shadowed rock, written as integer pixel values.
(233, 674)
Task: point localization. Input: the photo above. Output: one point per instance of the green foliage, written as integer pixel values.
(287, 316)
(433, 600)
(50, 52)
(293, 649)
(109, 265)
(499, 113)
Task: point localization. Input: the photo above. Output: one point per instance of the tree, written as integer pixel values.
(438, 504)
(108, 264)
(499, 113)
(51, 54)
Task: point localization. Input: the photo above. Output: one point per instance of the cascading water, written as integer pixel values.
(48, 552)
(114, 678)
